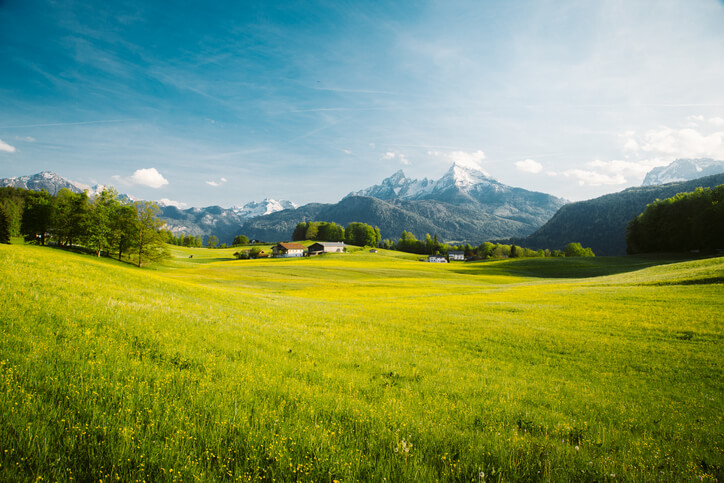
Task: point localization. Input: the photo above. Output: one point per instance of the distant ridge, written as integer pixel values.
(464, 205)
(225, 223)
(601, 223)
(683, 170)
(48, 181)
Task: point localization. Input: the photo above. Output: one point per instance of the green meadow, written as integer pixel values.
(359, 367)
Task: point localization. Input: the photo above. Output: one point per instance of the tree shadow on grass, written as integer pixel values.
(573, 267)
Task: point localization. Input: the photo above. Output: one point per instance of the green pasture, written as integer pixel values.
(359, 367)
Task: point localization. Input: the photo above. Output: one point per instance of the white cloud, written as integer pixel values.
(216, 183)
(717, 121)
(593, 178)
(529, 166)
(347, 151)
(6, 147)
(145, 177)
(404, 160)
(628, 168)
(679, 143)
(26, 139)
(167, 202)
(472, 160)
(389, 155)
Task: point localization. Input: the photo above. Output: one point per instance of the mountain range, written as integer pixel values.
(464, 205)
(211, 220)
(683, 170)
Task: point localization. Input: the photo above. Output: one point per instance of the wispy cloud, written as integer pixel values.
(673, 143)
(6, 147)
(401, 157)
(167, 202)
(594, 178)
(64, 124)
(473, 160)
(149, 177)
(529, 166)
(216, 183)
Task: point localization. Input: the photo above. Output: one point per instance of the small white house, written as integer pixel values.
(283, 250)
(456, 255)
(436, 259)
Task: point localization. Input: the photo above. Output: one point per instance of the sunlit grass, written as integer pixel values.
(359, 367)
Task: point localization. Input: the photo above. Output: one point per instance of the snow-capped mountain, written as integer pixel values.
(260, 208)
(46, 180)
(210, 220)
(458, 185)
(683, 170)
(464, 205)
(396, 187)
(52, 183)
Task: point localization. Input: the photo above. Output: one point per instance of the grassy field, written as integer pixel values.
(369, 367)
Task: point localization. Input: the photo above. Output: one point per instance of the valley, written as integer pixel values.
(358, 366)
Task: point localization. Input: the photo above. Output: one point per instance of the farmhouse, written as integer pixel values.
(282, 250)
(436, 259)
(326, 247)
(456, 255)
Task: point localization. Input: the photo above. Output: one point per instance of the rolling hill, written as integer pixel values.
(601, 223)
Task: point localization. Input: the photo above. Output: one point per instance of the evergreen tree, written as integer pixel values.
(4, 226)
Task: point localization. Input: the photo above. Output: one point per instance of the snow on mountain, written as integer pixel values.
(683, 170)
(260, 208)
(399, 187)
(46, 180)
(52, 183)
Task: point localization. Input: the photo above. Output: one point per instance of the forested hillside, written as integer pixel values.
(687, 221)
(601, 223)
(467, 223)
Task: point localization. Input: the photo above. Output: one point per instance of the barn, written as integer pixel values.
(326, 247)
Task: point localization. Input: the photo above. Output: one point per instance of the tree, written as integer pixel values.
(300, 232)
(212, 241)
(240, 240)
(149, 245)
(686, 221)
(70, 216)
(99, 229)
(37, 216)
(124, 228)
(362, 234)
(576, 250)
(4, 226)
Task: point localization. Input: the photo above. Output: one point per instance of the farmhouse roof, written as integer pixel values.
(292, 246)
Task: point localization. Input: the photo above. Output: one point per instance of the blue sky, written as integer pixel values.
(228, 102)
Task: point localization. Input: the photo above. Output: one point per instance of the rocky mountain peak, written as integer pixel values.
(683, 170)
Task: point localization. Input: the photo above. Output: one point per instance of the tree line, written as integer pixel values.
(684, 222)
(358, 234)
(432, 246)
(103, 224)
